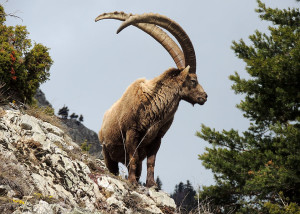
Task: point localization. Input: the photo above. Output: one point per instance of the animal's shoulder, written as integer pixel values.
(140, 85)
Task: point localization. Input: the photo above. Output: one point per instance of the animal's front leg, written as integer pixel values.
(152, 151)
(131, 144)
(151, 156)
(150, 171)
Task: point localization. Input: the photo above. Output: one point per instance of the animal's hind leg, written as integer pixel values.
(111, 165)
(132, 139)
(138, 171)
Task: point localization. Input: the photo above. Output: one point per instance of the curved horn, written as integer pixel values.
(158, 34)
(174, 28)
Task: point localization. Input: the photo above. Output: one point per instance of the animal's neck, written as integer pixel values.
(164, 98)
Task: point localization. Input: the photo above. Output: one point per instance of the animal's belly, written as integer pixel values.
(116, 152)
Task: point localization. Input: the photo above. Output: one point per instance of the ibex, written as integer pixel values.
(133, 127)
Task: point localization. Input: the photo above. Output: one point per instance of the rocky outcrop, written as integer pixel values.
(41, 98)
(44, 171)
(80, 134)
(76, 130)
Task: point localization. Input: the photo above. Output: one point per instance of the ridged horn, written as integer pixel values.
(158, 34)
(174, 28)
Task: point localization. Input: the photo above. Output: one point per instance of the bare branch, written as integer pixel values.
(10, 14)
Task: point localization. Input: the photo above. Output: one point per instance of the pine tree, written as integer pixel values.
(184, 197)
(81, 118)
(158, 183)
(73, 116)
(258, 171)
(64, 112)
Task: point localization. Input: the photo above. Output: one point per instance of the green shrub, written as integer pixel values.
(22, 67)
(85, 147)
(291, 208)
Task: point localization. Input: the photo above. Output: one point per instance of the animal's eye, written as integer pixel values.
(194, 82)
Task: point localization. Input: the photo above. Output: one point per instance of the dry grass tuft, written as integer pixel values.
(203, 207)
(133, 202)
(166, 210)
(46, 114)
(12, 174)
(6, 205)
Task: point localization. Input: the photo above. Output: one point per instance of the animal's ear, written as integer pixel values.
(185, 72)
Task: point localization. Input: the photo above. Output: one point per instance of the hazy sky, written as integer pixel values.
(93, 65)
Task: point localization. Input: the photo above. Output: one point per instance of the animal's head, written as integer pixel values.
(191, 90)
(184, 57)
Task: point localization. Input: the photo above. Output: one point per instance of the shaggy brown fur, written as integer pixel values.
(133, 127)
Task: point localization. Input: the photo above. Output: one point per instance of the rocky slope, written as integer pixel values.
(43, 171)
(41, 98)
(80, 134)
(76, 130)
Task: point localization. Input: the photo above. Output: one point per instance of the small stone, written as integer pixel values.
(2, 127)
(27, 197)
(4, 190)
(11, 193)
(26, 126)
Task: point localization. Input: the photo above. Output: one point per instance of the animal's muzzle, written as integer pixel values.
(203, 98)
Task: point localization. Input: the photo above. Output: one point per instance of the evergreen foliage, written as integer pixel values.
(184, 197)
(73, 116)
(22, 67)
(258, 171)
(81, 118)
(158, 183)
(64, 112)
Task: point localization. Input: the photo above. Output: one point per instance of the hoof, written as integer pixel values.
(133, 182)
(150, 184)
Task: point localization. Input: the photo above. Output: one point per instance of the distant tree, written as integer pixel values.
(73, 116)
(81, 118)
(258, 171)
(158, 183)
(184, 197)
(64, 112)
(22, 67)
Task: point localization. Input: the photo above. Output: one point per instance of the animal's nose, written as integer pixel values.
(204, 94)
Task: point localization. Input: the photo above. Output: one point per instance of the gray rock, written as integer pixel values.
(79, 134)
(2, 126)
(41, 99)
(4, 190)
(26, 126)
(48, 128)
(43, 208)
(161, 198)
(26, 122)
